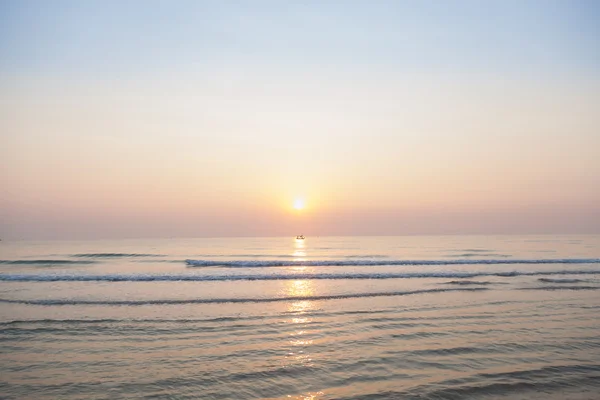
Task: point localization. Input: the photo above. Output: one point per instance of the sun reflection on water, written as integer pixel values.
(299, 254)
(307, 396)
(301, 336)
(300, 320)
(300, 288)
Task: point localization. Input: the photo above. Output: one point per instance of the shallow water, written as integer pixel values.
(329, 317)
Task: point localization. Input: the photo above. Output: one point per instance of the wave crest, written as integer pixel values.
(276, 277)
(367, 262)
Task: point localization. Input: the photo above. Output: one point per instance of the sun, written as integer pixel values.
(299, 204)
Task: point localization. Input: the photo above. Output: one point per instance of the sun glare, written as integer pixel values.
(299, 204)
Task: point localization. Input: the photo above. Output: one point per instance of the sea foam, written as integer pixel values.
(368, 262)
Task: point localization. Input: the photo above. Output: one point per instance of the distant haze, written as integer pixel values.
(210, 118)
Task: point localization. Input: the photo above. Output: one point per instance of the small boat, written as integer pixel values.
(300, 237)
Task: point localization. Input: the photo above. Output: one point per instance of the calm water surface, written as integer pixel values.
(324, 318)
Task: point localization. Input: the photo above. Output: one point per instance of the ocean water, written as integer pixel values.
(450, 317)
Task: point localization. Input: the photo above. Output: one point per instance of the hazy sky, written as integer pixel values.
(210, 118)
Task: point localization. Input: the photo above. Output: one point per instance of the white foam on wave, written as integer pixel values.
(274, 277)
(371, 262)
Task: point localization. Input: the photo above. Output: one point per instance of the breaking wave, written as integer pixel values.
(479, 255)
(552, 280)
(276, 277)
(367, 262)
(563, 288)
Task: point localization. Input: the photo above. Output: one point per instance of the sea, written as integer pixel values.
(406, 317)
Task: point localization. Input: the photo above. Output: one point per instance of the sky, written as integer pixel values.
(213, 118)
